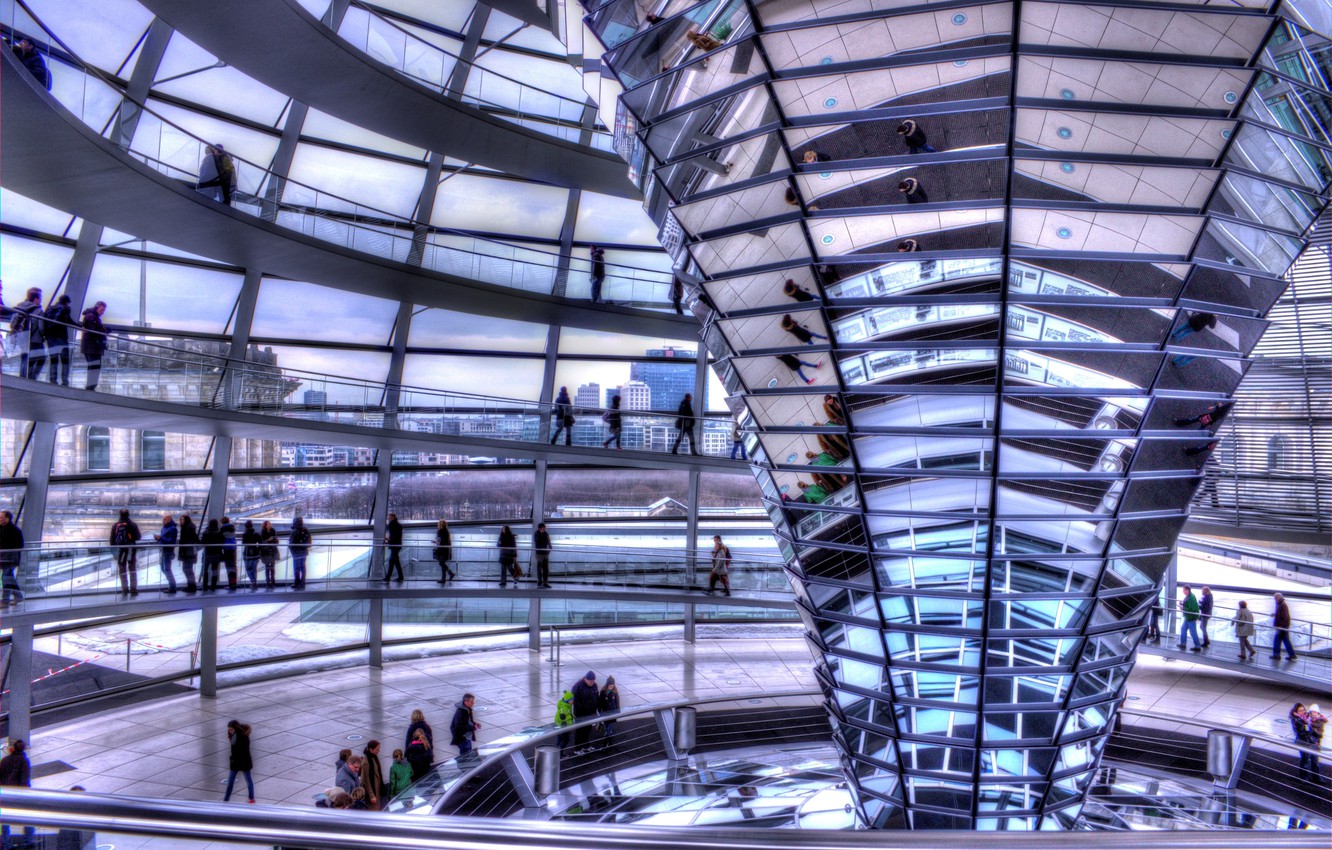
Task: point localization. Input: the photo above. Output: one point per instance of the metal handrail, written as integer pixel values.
(345, 830)
(359, 210)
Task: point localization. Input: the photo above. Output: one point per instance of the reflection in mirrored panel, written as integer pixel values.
(979, 302)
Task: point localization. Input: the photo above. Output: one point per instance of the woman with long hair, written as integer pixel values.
(241, 761)
(188, 551)
(508, 557)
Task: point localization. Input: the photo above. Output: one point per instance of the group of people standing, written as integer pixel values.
(584, 701)
(41, 338)
(219, 543)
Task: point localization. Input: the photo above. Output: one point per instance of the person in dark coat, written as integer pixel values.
(1205, 604)
(795, 292)
(563, 418)
(189, 551)
(615, 424)
(217, 171)
(508, 555)
(444, 551)
(250, 552)
(419, 722)
(913, 136)
(125, 536)
(11, 557)
(684, 424)
(598, 272)
(393, 540)
(1281, 628)
(799, 331)
(93, 343)
(238, 734)
(298, 544)
(27, 53)
(586, 703)
(677, 294)
(541, 555)
(608, 702)
(795, 364)
(211, 541)
(268, 553)
(464, 726)
(56, 331)
(420, 755)
(228, 529)
(27, 319)
(914, 193)
(16, 772)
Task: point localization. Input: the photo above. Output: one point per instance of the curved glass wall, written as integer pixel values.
(984, 280)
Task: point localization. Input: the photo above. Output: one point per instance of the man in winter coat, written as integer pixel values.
(93, 343)
(11, 556)
(1281, 628)
(168, 536)
(56, 331)
(27, 53)
(585, 705)
(684, 423)
(26, 325)
(464, 726)
(349, 775)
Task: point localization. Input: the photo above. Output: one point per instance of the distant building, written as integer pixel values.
(635, 395)
(588, 396)
(668, 381)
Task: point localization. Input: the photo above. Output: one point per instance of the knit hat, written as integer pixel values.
(590, 676)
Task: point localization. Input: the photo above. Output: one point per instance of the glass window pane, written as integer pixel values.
(167, 296)
(285, 311)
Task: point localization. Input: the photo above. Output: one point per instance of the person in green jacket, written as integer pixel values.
(1189, 625)
(564, 717)
(812, 493)
(400, 775)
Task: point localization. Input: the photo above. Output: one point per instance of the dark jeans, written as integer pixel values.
(561, 428)
(32, 361)
(1203, 628)
(231, 783)
(270, 572)
(685, 433)
(187, 567)
(738, 446)
(127, 567)
(252, 572)
(58, 361)
(596, 289)
(229, 560)
(543, 569)
(298, 568)
(1280, 638)
(212, 563)
(167, 573)
(582, 734)
(394, 563)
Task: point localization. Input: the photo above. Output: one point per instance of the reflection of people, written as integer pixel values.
(912, 190)
(27, 53)
(795, 293)
(812, 156)
(795, 364)
(1197, 322)
(799, 331)
(677, 294)
(832, 408)
(908, 246)
(913, 136)
(791, 197)
(1209, 418)
(704, 41)
(812, 493)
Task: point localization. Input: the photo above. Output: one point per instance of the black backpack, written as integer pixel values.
(121, 535)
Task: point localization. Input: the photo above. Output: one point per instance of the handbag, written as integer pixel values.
(515, 570)
(569, 421)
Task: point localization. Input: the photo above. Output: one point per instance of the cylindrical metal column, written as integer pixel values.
(1220, 754)
(208, 652)
(547, 771)
(686, 728)
(18, 702)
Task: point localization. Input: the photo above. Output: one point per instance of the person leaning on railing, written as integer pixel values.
(11, 555)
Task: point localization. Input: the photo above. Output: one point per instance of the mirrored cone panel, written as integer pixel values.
(981, 281)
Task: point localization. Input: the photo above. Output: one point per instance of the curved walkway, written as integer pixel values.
(1309, 673)
(52, 156)
(45, 402)
(285, 47)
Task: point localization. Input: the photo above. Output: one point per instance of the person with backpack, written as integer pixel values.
(55, 329)
(298, 544)
(615, 423)
(93, 343)
(562, 416)
(125, 537)
(188, 551)
(26, 327)
(168, 536)
(217, 171)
